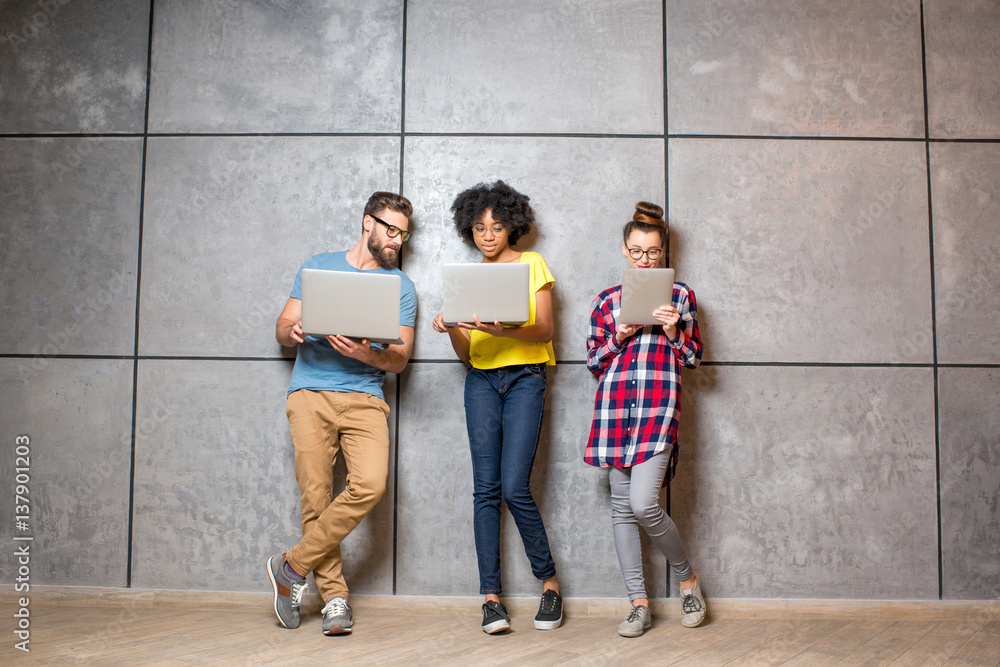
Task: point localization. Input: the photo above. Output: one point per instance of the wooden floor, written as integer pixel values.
(449, 634)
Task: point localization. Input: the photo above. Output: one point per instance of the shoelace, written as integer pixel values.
(633, 615)
(495, 610)
(548, 603)
(335, 607)
(691, 604)
(298, 591)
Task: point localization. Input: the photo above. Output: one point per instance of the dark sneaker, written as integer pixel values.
(337, 617)
(692, 607)
(638, 621)
(495, 618)
(549, 615)
(288, 592)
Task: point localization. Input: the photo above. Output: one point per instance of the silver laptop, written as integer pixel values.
(355, 304)
(494, 292)
(643, 291)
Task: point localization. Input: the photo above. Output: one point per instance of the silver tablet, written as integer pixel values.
(643, 291)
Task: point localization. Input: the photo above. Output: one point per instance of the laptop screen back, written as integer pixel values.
(355, 304)
(493, 292)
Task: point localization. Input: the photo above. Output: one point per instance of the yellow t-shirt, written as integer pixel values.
(487, 351)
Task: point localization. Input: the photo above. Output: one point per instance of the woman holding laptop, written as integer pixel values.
(634, 431)
(504, 397)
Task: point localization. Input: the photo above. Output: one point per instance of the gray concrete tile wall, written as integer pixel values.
(77, 417)
(257, 66)
(963, 69)
(966, 183)
(73, 66)
(215, 491)
(69, 228)
(833, 285)
(849, 280)
(970, 482)
(847, 68)
(809, 482)
(534, 66)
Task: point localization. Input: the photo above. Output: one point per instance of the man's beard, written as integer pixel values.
(378, 252)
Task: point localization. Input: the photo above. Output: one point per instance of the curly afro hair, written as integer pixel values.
(509, 207)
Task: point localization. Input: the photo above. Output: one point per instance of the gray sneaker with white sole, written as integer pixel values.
(338, 617)
(288, 592)
(638, 621)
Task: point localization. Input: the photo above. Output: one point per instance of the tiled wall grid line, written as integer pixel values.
(830, 178)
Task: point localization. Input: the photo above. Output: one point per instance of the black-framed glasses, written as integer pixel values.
(480, 230)
(392, 230)
(652, 253)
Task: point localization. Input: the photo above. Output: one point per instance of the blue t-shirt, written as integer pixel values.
(318, 366)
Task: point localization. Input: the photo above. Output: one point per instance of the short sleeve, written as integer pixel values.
(540, 274)
(407, 303)
(297, 287)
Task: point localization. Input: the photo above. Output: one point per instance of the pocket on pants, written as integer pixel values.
(538, 370)
(379, 403)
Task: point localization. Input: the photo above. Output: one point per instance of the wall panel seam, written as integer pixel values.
(138, 288)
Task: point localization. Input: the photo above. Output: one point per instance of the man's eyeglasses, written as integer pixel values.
(652, 253)
(392, 230)
(480, 230)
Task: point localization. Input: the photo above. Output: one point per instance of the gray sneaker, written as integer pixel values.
(337, 617)
(288, 592)
(639, 620)
(692, 607)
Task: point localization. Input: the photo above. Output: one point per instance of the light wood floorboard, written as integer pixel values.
(981, 649)
(938, 645)
(393, 632)
(889, 644)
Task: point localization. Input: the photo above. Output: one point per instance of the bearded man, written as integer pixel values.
(335, 405)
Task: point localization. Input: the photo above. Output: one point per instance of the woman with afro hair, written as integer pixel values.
(504, 397)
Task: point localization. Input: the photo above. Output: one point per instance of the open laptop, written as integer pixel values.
(494, 292)
(355, 304)
(643, 291)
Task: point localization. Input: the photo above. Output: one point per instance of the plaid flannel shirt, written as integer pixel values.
(639, 394)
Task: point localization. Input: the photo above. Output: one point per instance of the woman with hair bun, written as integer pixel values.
(504, 398)
(634, 431)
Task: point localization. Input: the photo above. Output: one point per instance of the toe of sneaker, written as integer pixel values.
(693, 620)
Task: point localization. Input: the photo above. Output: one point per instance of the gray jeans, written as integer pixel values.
(634, 502)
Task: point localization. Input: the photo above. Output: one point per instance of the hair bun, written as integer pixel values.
(647, 210)
(648, 213)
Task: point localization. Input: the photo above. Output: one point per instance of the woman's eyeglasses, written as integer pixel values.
(652, 253)
(480, 230)
(392, 230)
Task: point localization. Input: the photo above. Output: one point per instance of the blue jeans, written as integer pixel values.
(503, 415)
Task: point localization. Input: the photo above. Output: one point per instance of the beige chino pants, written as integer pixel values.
(323, 424)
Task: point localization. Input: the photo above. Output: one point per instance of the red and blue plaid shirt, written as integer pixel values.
(639, 395)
